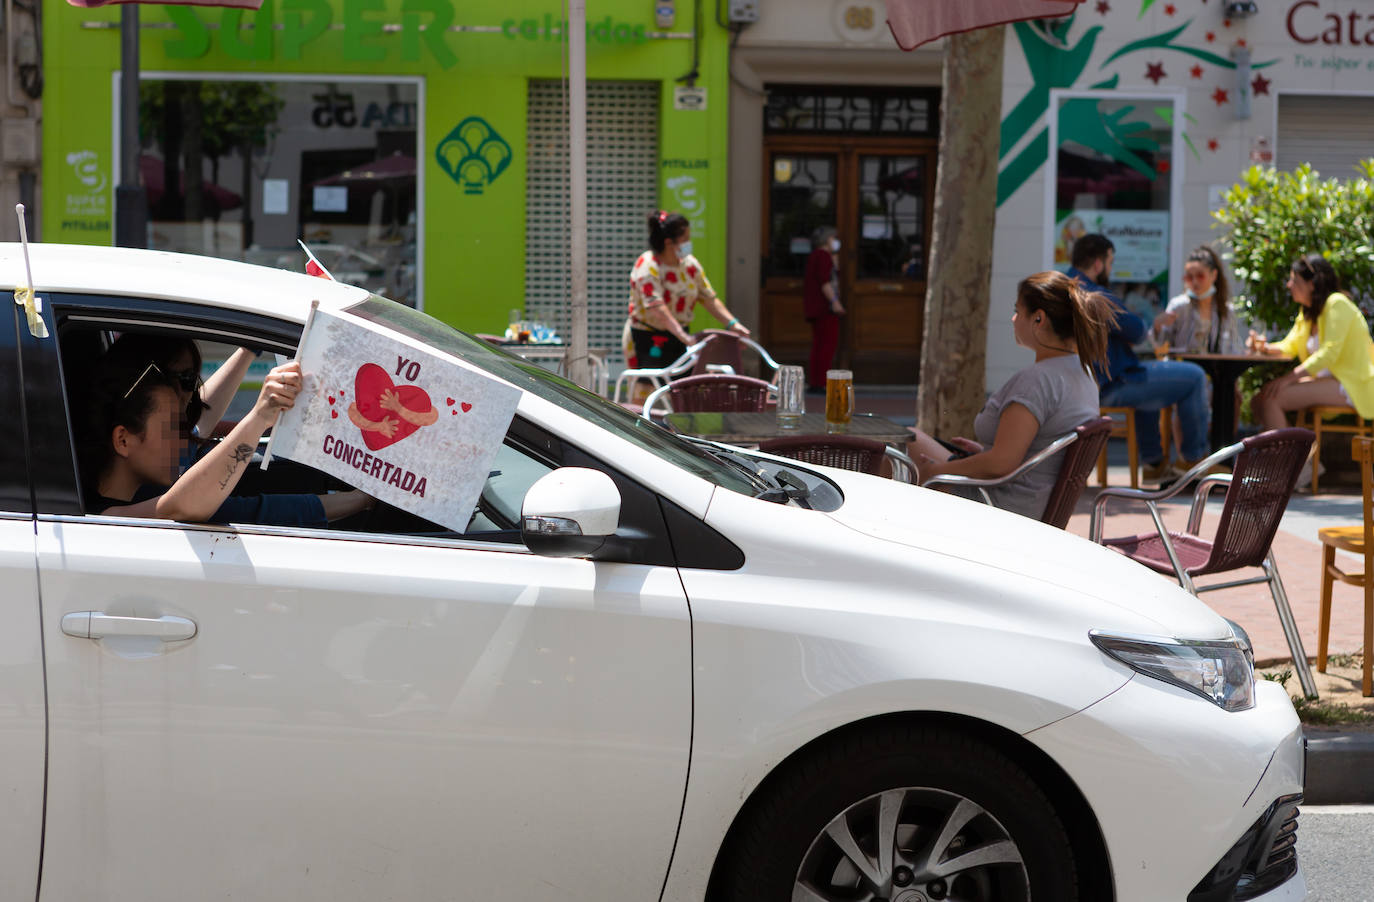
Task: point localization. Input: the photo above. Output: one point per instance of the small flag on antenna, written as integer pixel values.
(313, 266)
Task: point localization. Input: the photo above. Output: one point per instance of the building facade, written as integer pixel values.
(418, 146)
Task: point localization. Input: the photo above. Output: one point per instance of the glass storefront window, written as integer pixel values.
(1115, 171)
(892, 192)
(330, 163)
(801, 199)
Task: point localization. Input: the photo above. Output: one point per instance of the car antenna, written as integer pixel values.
(24, 296)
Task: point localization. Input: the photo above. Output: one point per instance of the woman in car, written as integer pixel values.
(180, 358)
(134, 436)
(1066, 328)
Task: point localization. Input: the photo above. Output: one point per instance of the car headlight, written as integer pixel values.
(1218, 670)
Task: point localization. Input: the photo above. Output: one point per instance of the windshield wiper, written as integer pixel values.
(788, 488)
(757, 478)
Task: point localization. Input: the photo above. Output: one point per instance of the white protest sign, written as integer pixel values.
(404, 423)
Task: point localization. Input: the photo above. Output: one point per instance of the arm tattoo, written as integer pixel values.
(240, 454)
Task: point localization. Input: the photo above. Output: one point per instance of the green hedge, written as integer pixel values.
(1275, 217)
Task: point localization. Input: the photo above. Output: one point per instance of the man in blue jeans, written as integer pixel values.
(1149, 386)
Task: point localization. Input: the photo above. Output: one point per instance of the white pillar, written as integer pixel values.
(578, 370)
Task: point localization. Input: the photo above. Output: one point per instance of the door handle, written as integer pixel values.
(99, 625)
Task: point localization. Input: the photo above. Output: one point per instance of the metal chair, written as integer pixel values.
(711, 393)
(723, 352)
(1257, 493)
(718, 351)
(847, 452)
(1081, 449)
(1357, 539)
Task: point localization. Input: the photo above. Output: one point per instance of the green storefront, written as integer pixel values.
(419, 146)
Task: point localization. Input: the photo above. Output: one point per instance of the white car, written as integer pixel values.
(827, 686)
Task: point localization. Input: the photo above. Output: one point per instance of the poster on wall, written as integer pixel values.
(1141, 238)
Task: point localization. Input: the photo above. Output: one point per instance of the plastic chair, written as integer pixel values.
(1314, 418)
(1081, 449)
(712, 393)
(656, 375)
(847, 452)
(1359, 540)
(1257, 492)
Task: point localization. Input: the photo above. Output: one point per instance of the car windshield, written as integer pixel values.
(734, 471)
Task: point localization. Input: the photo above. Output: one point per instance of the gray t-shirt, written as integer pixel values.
(1061, 395)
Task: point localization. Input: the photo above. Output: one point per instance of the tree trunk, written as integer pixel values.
(954, 349)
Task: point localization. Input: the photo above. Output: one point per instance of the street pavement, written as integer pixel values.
(1336, 850)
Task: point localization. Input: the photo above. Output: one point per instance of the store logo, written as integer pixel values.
(686, 197)
(473, 154)
(86, 165)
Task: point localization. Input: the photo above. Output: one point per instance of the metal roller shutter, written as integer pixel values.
(1332, 132)
(622, 189)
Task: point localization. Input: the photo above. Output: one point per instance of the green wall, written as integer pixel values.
(473, 257)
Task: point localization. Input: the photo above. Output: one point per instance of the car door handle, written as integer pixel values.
(99, 625)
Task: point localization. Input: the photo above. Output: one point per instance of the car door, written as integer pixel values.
(23, 719)
(311, 714)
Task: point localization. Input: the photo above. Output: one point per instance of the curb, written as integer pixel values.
(1338, 768)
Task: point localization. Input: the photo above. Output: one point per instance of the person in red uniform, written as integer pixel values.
(821, 304)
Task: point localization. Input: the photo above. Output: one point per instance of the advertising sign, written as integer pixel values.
(1141, 238)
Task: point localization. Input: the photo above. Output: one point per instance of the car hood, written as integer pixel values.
(1024, 549)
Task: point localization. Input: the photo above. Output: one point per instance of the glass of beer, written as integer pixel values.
(839, 399)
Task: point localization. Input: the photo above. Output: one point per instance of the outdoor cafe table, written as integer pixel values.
(1224, 369)
(752, 428)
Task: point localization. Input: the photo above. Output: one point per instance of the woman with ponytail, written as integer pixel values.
(1066, 327)
(1201, 319)
(666, 284)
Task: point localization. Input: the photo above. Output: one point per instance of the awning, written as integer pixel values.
(916, 22)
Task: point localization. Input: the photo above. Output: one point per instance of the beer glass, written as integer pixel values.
(791, 396)
(839, 399)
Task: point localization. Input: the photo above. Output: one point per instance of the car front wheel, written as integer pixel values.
(898, 814)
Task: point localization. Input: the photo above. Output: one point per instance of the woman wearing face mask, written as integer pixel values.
(1331, 337)
(1201, 319)
(821, 304)
(666, 284)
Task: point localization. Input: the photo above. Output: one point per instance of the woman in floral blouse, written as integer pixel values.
(666, 284)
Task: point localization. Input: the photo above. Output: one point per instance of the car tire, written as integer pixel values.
(938, 795)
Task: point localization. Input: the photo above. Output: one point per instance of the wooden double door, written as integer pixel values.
(877, 193)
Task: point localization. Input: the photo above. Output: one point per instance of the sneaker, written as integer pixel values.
(1156, 471)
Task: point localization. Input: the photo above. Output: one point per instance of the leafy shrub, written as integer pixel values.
(1275, 217)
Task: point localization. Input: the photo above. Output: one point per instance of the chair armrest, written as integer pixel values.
(763, 355)
(1201, 496)
(1178, 485)
(1034, 460)
(647, 411)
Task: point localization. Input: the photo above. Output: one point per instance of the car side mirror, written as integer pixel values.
(569, 512)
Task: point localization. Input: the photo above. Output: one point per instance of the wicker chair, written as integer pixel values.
(1257, 492)
(712, 392)
(847, 452)
(1081, 449)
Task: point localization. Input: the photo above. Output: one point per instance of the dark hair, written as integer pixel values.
(1090, 248)
(665, 227)
(163, 350)
(1222, 299)
(122, 393)
(1073, 311)
(1316, 269)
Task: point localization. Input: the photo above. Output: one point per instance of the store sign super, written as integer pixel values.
(424, 28)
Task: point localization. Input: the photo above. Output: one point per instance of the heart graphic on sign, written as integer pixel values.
(466, 406)
(369, 387)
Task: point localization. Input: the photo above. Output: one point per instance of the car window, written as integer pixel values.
(495, 518)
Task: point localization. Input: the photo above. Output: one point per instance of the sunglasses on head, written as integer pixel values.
(188, 381)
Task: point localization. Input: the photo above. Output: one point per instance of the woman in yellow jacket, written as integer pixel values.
(1337, 356)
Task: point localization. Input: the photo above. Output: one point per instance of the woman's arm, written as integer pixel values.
(660, 318)
(220, 388)
(345, 504)
(202, 489)
(718, 309)
(1016, 429)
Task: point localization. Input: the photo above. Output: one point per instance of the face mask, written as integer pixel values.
(684, 248)
(1206, 294)
(834, 244)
